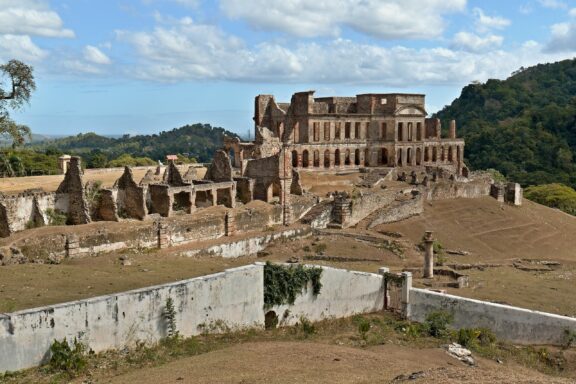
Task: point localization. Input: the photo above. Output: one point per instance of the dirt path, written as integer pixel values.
(308, 362)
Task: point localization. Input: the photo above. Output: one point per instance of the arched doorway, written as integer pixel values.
(427, 154)
(409, 156)
(434, 154)
(294, 159)
(418, 156)
(366, 157)
(399, 158)
(450, 155)
(316, 158)
(326, 159)
(357, 157)
(305, 159)
(337, 158)
(347, 157)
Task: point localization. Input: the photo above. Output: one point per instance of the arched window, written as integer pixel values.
(326, 159)
(410, 133)
(399, 161)
(357, 157)
(418, 156)
(418, 131)
(347, 157)
(400, 132)
(409, 156)
(337, 158)
(305, 159)
(294, 159)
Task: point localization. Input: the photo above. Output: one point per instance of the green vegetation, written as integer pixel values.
(55, 217)
(359, 331)
(524, 126)
(128, 160)
(67, 358)
(169, 315)
(553, 195)
(283, 283)
(191, 143)
(19, 81)
(27, 163)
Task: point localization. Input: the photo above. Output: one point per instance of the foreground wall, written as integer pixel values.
(517, 325)
(344, 293)
(232, 299)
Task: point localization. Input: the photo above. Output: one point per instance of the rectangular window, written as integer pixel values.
(316, 127)
(400, 132)
(326, 131)
(383, 129)
(347, 128)
(337, 131)
(357, 130)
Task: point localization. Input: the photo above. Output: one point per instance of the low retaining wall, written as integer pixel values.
(344, 293)
(513, 324)
(247, 247)
(233, 299)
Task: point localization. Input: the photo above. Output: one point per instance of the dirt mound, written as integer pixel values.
(308, 362)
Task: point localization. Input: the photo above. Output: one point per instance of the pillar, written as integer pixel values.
(163, 236)
(452, 130)
(406, 287)
(428, 255)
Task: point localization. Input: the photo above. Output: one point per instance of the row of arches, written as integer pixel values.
(326, 158)
(329, 158)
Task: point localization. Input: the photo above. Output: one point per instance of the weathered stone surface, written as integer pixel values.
(173, 177)
(131, 199)
(72, 186)
(220, 169)
(106, 208)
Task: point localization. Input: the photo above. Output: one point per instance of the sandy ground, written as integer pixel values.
(10, 185)
(309, 362)
(51, 183)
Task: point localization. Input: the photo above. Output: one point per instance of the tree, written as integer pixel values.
(16, 86)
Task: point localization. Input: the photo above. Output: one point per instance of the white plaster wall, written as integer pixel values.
(517, 325)
(234, 297)
(247, 247)
(344, 293)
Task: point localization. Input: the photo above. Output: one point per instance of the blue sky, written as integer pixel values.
(143, 66)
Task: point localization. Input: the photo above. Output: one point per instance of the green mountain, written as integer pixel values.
(524, 126)
(197, 141)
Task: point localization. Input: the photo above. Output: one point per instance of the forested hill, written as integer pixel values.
(524, 126)
(197, 141)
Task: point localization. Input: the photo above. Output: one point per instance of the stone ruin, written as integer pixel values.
(385, 136)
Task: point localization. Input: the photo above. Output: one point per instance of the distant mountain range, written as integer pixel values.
(524, 126)
(197, 140)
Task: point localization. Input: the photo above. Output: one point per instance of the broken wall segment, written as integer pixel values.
(72, 186)
(131, 198)
(220, 170)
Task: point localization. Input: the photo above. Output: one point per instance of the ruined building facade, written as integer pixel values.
(369, 130)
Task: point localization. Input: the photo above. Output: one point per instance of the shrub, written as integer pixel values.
(437, 322)
(66, 358)
(55, 217)
(363, 327)
(169, 315)
(553, 195)
(307, 327)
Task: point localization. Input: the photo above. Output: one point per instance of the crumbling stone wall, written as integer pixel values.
(172, 176)
(72, 186)
(161, 198)
(131, 197)
(106, 208)
(244, 189)
(220, 169)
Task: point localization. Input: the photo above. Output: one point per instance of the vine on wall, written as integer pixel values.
(283, 283)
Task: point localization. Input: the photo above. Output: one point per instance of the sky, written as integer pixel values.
(145, 66)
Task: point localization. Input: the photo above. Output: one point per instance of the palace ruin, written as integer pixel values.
(382, 136)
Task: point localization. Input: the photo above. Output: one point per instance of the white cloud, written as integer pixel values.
(95, 56)
(572, 12)
(188, 51)
(485, 22)
(553, 4)
(21, 48)
(30, 18)
(386, 19)
(474, 43)
(563, 37)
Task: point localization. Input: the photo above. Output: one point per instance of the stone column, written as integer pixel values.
(163, 235)
(406, 286)
(452, 130)
(382, 271)
(229, 224)
(72, 246)
(428, 255)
